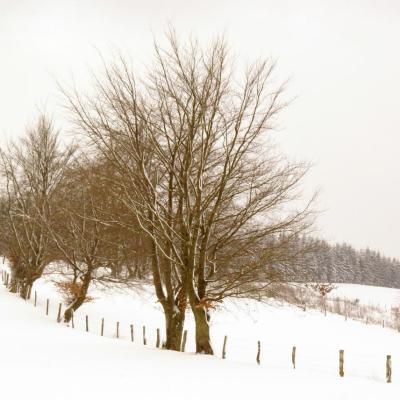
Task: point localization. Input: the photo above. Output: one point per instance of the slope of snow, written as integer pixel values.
(41, 359)
(381, 297)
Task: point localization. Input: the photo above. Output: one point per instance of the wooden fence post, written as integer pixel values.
(59, 313)
(341, 363)
(87, 323)
(224, 348)
(117, 330)
(388, 369)
(183, 345)
(29, 292)
(258, 358)
(144, 335)
(72, 318)
(294, 357)
(132, 335)
(102, 327)
(35, 301)
(158, 338)
(47, 306)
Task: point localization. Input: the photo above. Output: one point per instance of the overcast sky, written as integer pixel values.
(342, 58)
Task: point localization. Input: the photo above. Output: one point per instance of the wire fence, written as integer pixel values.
(141, 334)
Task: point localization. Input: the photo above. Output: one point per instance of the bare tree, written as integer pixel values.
(197, 170)
(32, 169)
(85, 238)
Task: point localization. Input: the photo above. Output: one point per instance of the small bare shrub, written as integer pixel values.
(70, 291)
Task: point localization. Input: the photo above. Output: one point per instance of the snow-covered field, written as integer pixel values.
(381, 297)
(41, 359)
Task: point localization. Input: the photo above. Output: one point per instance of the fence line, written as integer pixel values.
(5, 276)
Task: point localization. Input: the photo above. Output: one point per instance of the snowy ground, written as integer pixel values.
(41, 359)
(381, 297)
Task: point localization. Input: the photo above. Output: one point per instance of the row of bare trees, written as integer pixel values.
(175, 179)
(32, 172)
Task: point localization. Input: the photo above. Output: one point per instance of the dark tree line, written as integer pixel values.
(342, 263)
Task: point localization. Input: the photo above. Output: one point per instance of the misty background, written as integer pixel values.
(341, 57)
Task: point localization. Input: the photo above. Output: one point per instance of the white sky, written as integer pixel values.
(342, 57)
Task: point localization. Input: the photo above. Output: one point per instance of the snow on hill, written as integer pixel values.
(381, 297)
(41, 359)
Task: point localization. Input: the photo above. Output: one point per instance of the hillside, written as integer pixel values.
(58, 362)
(341, 263)
(382, 297)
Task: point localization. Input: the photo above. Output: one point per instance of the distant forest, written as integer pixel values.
(341, 263)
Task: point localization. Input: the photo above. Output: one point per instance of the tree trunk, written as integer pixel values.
(174, 322)
(114, 270)
(174, 311)
(201, 317)
(203, 341)
(80, 299)
(13, 285)
(26, 284)
(24, 289)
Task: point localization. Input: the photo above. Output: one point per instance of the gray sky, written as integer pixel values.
(342, 57)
